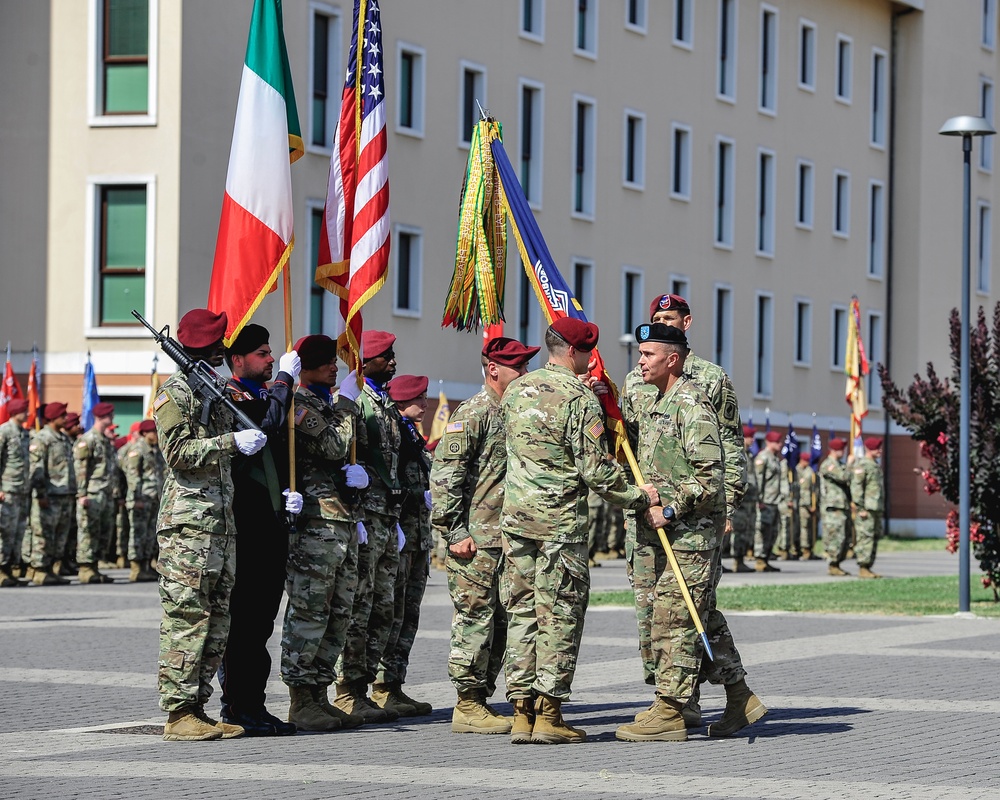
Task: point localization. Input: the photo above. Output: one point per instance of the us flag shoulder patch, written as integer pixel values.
(161, 398)
(596, 430)
(300, 414)
(454, 427)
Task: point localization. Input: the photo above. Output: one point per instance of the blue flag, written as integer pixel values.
(755, 445)
(790, 449)
(90, 396)
(816, 450)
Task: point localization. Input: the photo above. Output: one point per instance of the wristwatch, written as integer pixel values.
(668, 513)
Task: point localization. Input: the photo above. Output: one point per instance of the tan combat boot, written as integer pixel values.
(664, 721)
(88, 574)
(739, 565)
(387, 697)
(472, 715)
(43, 577)
(352, 698)
(346, 720)
(228, 731)
(550, 727)
(762, 565)
(135, 570)
(306, 714)
(184, 725)
(743, 708)
(524, 720)
(834, 569)
(807, 554)
(146, 572)
(7, 578)
(422, 708)
(865, 572)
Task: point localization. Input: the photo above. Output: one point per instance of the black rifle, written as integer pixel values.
(204, 381)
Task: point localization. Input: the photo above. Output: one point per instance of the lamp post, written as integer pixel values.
(966, 127)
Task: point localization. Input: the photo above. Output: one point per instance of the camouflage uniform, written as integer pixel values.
(197, 540)
(119, 491)
(467, 486)
(808, 503)
(52, 480)
(745, 518)
(378, 442)
(15, 487)
(606, 532)
(788, 509)
(555, 450)
(867, 495)
(835, 499)
(323, 552)
(141, 464)
(96, 471)
(414, 558)
(768, 467)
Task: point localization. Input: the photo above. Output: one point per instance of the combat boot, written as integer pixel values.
(834, 569)
(387, 697)
(664, 721)
(183, 725)
(761, 565)
(7, 578)
(865, 572)
(472, 715)
(807, 555)
(43, 577)
(352, 698)
(306, 713)
(739, 565)
(88, 573)
(422, 708)
(228, 731)
(135, 569)
(347, 721)
(146, 572)
(550, 727)
(743, 708)
(524, 720)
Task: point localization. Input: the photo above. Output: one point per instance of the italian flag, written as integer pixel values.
(256, 232)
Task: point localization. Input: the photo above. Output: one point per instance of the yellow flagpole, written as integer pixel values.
(286, 272)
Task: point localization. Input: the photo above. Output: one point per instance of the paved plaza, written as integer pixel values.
(861, 706)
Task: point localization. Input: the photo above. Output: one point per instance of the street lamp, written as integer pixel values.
(966, 127)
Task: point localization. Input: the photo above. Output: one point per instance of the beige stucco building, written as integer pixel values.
(768, 160)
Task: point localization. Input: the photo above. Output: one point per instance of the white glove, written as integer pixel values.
(357, 478)
(362, 533)
(290, 363)
(400, 537)
(293, 502)
(349, 388)
(249, 442)
(427, 500)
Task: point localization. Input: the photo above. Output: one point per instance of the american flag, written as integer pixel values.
(354, 253)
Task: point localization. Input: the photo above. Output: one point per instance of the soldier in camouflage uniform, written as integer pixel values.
(745, 517)
(680, 452)
(141, 464)
(197, 536)
(467, 489)
(323, 552)
(409, 393)
(555, 450)
(378, 440)
(53, 482)
(769, 466)
(13, 489)
(788, 518)
(835, 498)
(808, 505)
(867, 498)
(96, 471)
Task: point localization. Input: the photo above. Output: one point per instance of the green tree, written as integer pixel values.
(929, 410)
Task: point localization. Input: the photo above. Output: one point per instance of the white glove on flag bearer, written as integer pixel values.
(249, 442)
(349, 388)
(400, 537)
(290, 363)
(293, 502)
(357, 478)
(362, 533)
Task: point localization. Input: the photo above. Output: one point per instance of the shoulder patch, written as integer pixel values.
(32, 448)
(595, 430)
(300, 414)
(161, 399)
(81, 444)
(454, 427)
(309, 422)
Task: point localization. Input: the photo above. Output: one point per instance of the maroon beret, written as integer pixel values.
(72, 418)
(51, 411)
(773, 436)
(147, 426)
(749, 430)
(668, 302)
(315, 350)
(375, 343)
(836, 443)
(873, 442)
(509, 352)
(16, 406)
(201, 328)
(805, 456)
(103, 410)
(120, 442)
(581, 335)
(407, 387)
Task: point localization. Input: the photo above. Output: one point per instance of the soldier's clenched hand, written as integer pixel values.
(650, 490)
(357, 478)
(463, 549)
(290, 363)
(249, 442)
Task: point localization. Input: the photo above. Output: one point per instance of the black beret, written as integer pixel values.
(250, 338)
(658, 332)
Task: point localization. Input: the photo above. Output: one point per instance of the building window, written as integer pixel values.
(841, 204)
(410, 114)
(583, 285)
(633, 300)
(807, 55)
(879, 98)
(986, 112)
(804, 191)
(684, 23)
(126, 83)
(635, 15)
(876, 229)
(838, 337)
(122, 252)
(874, 351)
(129, 408)
(724, 189)
(533, 19)
(989, 39)
(326, 77)
(723, 336)
(473, 96)
(583, 157)
(803, 333)
(586, 28)
(768, 59)
(984, 252)
(843, 78)
(765, 203)
(409, 261)
(681, 286)
(680, 161)
(321, 302)
(727, 50)
(634, 161)
(764, 346)
(532, 103)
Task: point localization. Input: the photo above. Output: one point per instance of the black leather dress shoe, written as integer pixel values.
(281, 728)
(258, 723)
